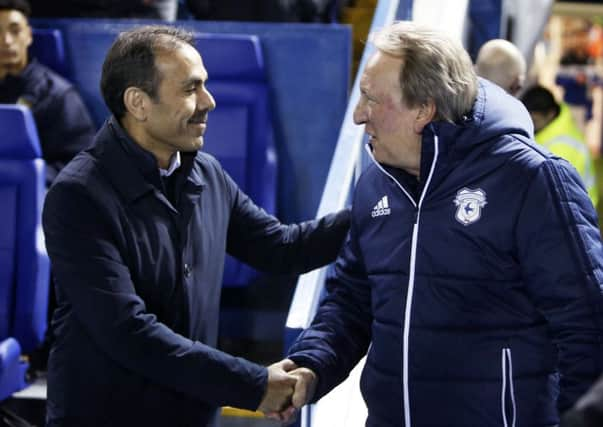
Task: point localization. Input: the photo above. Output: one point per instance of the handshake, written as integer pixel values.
(289, 388)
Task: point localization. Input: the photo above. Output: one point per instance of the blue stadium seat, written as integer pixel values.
(240, 133)
(24, 265)
(48, 47)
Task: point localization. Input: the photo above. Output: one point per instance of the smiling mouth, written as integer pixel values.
(198, 126)
(7, 54)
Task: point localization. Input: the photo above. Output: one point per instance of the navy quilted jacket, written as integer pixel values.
(478, 289)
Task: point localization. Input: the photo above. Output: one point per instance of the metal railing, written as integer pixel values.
(345, 167)
(339, 183)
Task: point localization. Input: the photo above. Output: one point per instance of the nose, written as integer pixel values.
(360, 115)
(5, 38)
(205, 100)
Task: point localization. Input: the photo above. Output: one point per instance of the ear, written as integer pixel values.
(516, 86)
(425, 114)
(135, 101)
(550, 116)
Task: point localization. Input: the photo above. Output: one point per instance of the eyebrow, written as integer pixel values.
(196, 79)
(193, 81)
(366, 92)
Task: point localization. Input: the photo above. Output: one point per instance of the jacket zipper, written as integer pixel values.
(411, 278)
(507, 378)
(412, 201)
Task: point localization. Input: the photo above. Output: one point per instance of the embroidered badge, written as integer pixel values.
(469, 205)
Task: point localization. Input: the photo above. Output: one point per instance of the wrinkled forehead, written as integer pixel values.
(182, 61)
(382, 71)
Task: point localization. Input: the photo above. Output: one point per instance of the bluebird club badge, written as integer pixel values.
(469, 205)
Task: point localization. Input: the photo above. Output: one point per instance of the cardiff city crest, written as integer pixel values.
(469, 205)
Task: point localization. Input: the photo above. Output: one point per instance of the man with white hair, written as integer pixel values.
(471, 275)
(501, 62)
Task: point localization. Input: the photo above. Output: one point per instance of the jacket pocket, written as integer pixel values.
(507, 395)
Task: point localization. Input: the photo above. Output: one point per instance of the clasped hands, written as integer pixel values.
(289, 388)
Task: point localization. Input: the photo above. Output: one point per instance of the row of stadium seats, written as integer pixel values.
(24, 269)
(241, 123)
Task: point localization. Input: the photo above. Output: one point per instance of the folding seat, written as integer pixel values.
(48, 48)
(24, 265)
(240, 131)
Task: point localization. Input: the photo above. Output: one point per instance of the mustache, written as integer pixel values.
(199, 117)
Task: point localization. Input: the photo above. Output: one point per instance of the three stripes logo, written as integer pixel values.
(381, 208)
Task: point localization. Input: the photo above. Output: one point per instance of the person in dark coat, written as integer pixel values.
(472, 274)
(166, 10)
(264, 10)
(62, 120)
(137, 228)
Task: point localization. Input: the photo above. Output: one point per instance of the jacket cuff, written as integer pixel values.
(307, 362)
(251, 391)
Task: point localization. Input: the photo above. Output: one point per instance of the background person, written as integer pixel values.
(166, 10)
(501, 62)
(62, 120)
(556, 129)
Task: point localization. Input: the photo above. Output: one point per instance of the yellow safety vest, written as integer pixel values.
(563, 138)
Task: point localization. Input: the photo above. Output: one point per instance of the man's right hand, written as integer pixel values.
(305, 387)
(280, 387)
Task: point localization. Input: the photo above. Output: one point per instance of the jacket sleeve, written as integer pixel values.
(260, 240)
(94, 281)
(340, 333)
(560, 253)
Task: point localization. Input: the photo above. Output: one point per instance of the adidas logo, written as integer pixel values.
(381, 208)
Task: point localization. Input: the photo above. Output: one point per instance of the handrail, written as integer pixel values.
(345, 165)
(339, 181)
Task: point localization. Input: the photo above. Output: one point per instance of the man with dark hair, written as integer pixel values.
(62, 120)
(556, 129)
(137, 228)
(541, 105)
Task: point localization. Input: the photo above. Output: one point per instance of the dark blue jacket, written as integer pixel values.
(62, 120)
(478, 286)
(138, 283)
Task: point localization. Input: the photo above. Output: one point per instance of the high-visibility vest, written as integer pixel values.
(563, 138)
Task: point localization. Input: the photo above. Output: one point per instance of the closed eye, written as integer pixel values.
(368, 98)
(192, 85)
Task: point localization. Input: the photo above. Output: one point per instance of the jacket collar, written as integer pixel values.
(132, 169)
(14, 88)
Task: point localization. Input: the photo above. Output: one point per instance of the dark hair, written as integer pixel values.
(539, 99)
(22, 6)
(131, 62)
